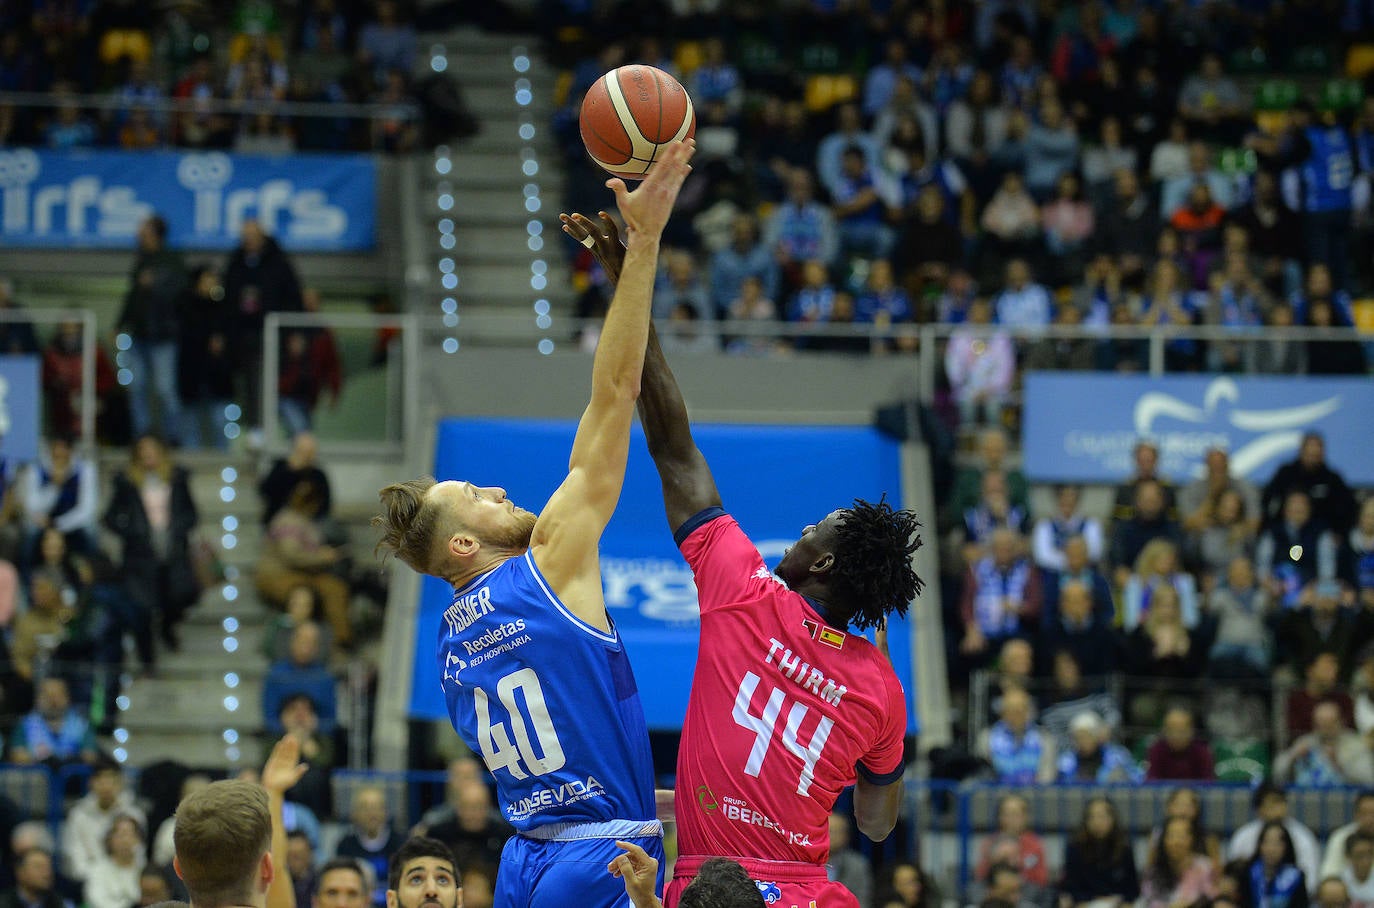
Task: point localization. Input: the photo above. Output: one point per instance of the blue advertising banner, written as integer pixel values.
(1082, 427)
(21, 405)
(775, 481)
(96, 199)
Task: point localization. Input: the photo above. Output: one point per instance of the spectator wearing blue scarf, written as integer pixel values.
(1274, 879)
(1019, 750)
(54, 733)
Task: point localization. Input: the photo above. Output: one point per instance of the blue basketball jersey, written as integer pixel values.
(547, 700)
(1329, 173)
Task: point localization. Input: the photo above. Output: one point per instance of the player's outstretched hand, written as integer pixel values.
(647, 208)
(639, 870)
(284, 767)
(603, 239)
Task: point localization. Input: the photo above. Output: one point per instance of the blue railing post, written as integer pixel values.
(964, 826)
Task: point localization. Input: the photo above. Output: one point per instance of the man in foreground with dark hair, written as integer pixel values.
(813, 704)
(720, 883)
(423, 873)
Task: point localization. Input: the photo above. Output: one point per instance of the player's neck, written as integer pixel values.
(462, 577)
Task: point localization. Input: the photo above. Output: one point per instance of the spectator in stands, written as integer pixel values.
(911, 887)
(460, 770)
(35, 882)
(1330, 754)
(1069, 354)
(54, 733)
(1321, 676)
(1229, 534)
(1052, 148)
(1105, 159)
(994, 511)
(1129, 223)
(881, 80)
(992, 456)
(1271, 806)
(300, 863)
(1358, 874)
(301, 465)
(1157, 566)
(679, 284)
(87, 822)
(206, 365)
(1005, 889)
(848, 132)
(1336, 859)
(300, 720)
(44, 630)
(479, 884)
(310, 365)
(1186, 804)
(1001, 596)
(302, 672)
(60, 492)
(164, 840)
(1014, 844)
(1020, 752)
(1178, 875)
(1319, 289)
(1320, 624)
(744, 257)
(1296, 550)
(388, 43)
(112, 881)
(883, 303)
(1341, 355)
(153, 515)
(1081, 629)
(1052, 533)
(71, 128)
(845, 865)
(342, 883)
(1275, 877)
(1015, 667)
(1099, 863)
(151, 318)
(1274, 232)
(63, 375)
(258, 279)
(801, 229)
(1023, 303)
(1162, 650)
(1070, 694)
(1093, 757)
(298, 554)
(1178, 753)
(1359, 556)
(1149, 522)
(154, 887)
(1202, 171)
(1243, 647)
(370, 837)
(860, 208)
(1078, 567)
(1197, 501)
(979, 115)
(1332, 502)
(1146, 457)
(1011, 219)
(476, 832)
(981, 366)
(1069, 222)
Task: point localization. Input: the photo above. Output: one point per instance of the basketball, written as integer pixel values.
(629, 114)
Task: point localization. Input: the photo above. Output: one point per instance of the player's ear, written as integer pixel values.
(824, 562)
(463, 544)
(391, 899)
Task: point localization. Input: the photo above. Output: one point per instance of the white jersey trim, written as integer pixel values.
(566, 612)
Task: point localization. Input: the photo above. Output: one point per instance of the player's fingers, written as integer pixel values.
(617, 186)
(609, 225)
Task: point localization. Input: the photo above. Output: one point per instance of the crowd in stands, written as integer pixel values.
(1001, 164)
(140, 55)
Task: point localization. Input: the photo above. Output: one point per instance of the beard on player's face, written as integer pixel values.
(514, 534)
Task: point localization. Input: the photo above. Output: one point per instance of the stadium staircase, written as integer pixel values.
(498, 182)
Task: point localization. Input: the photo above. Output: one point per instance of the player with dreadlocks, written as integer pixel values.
(787, 707)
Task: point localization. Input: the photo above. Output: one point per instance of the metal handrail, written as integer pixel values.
(364, 111)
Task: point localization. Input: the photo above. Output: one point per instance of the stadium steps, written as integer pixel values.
(182, 713)
(493, 259)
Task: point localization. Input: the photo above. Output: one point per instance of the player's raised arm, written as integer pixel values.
(566, 537)
(688, 486)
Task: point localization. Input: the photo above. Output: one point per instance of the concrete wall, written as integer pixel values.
(804, 388)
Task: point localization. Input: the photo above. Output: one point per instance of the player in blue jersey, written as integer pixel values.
(535, 676)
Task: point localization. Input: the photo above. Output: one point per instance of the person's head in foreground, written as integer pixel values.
(449, 529)
(223, 840)
(423, 874)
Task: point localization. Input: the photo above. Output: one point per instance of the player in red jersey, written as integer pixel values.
(788, 706)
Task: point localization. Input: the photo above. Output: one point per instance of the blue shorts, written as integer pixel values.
(555, 874)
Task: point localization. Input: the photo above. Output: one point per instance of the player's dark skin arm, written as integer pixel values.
(688, 486)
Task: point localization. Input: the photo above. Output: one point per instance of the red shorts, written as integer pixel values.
(784, 884)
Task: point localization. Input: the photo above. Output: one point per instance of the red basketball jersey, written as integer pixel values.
(784, 710)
